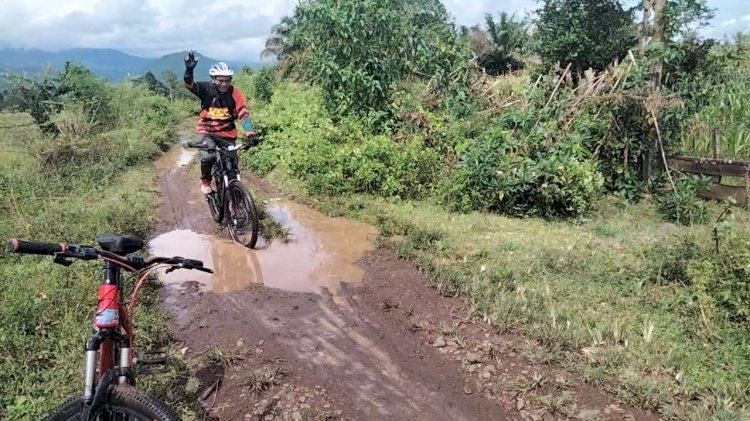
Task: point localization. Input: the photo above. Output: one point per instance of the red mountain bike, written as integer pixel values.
(109, 390)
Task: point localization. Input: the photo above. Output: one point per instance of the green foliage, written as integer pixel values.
(506, 171)
(46, 97)
(261, 84)
(715, 272)
(683, 206)
(359, 51)
(584, 33)
(151, 114)
(501, 46)
(154, 85)
(334, 160)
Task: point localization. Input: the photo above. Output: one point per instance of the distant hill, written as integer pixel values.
(111, 64)
(175, 62)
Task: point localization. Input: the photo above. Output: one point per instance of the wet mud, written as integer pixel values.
(355, 332)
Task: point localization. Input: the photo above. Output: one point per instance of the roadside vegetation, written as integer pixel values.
(507, 160)
(75, 163)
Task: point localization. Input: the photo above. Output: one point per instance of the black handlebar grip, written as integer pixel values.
(33, 247)
(193, 263)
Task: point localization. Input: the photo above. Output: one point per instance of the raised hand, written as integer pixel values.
(190, 60)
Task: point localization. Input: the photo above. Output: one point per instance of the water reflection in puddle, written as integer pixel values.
(322, 252)
(175, 158)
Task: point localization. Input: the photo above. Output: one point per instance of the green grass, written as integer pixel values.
(591, 291)
(46, 309)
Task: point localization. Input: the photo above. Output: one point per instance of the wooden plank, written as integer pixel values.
(722, 192)
(710, 166)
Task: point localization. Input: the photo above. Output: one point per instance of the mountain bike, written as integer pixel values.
(230, 202)
(109, 386)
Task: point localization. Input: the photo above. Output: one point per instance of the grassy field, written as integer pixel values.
(46, 309)
(600, 294)
(647, 309)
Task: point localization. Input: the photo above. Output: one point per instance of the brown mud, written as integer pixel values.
(326, 326)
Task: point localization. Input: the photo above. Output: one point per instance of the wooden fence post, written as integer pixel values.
(715, 143)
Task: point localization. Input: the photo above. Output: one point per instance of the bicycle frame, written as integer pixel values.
(109, 356)
(223, 168)
(106, 339)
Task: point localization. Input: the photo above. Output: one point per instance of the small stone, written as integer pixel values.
(473, 357)
(485, 375)
(291, 396)
(184, 350)
(452, 344)
(240, 342)
(248, 416)
(439, 342)
(261, 342)
(302, 399)
(467, 389)
(326, 406)
(258, 351)
(589, 414)
(520, 404)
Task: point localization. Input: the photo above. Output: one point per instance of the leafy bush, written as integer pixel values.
(45, 98)
(151, 114)
(715, 276)
(261, 84)
(520, 176)
(683, 206)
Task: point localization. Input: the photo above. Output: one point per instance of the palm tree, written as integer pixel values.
(276, 44)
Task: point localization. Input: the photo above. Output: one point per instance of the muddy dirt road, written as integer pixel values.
(327, 327)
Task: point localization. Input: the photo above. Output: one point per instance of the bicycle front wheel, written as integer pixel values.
(242, 219)
(122, 402)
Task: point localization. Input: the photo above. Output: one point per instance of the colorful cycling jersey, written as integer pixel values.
(218, 110)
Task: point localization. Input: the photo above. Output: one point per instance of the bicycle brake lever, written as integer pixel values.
(173, 268)
(61, 260)
(207, 270)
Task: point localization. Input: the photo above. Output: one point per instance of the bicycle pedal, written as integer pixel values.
(152, 358)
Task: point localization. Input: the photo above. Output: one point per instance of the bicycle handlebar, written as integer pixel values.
(243, 145)
(35, 247)
(90, 253)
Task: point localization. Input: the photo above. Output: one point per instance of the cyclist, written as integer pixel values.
(221, 105)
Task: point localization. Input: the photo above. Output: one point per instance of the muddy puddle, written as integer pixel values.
(321, 252)
(175, 158)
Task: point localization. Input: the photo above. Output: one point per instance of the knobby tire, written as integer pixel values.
(238, 193)
(122, 399)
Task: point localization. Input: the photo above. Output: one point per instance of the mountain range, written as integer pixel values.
(111, 64)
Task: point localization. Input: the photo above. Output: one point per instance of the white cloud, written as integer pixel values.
(231, 29)
(226, 29)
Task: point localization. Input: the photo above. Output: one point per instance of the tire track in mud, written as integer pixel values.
(354, 329)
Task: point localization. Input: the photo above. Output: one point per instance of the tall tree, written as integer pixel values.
(584, 33)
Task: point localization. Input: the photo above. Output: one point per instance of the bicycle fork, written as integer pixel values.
(105, 338)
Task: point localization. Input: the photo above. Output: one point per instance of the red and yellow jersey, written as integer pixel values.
(218, 110)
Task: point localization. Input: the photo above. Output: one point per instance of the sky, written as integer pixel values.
(226, 29)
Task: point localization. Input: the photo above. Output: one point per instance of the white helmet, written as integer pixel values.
(220, 69)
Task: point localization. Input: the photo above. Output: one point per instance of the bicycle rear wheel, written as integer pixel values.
(242, 217)
(123, 402)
